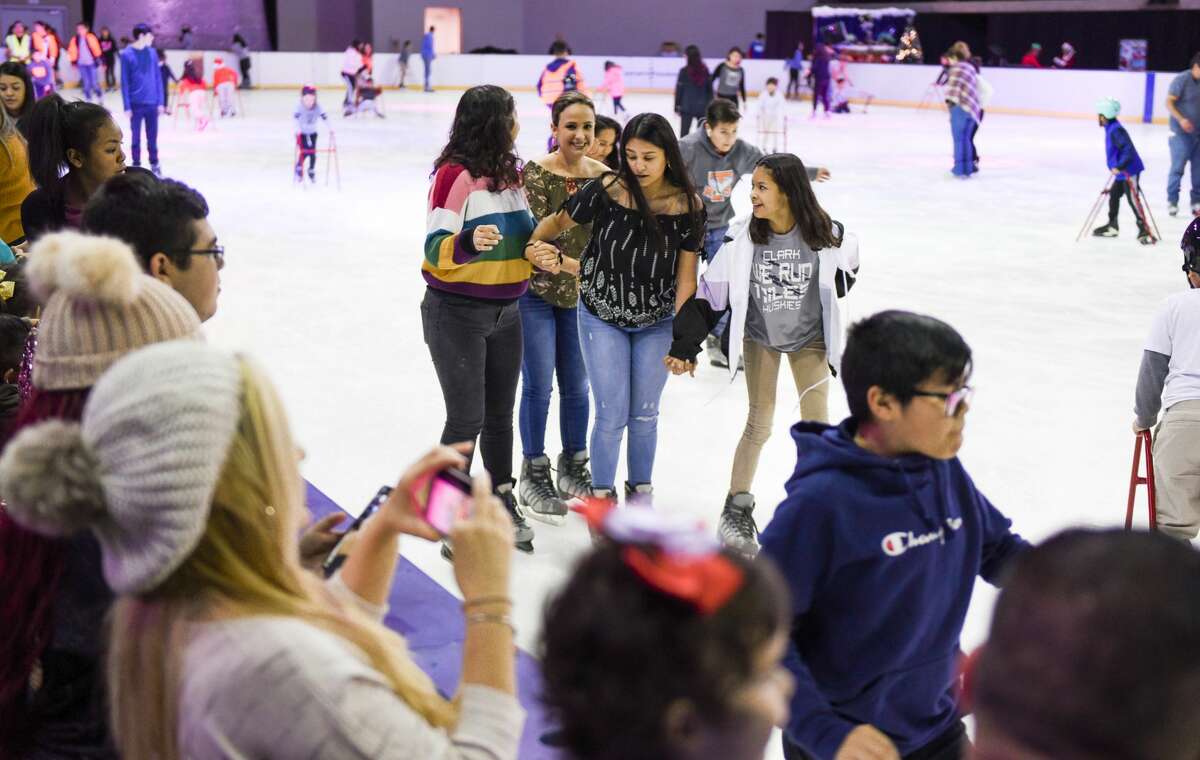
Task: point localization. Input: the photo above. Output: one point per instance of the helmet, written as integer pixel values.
(1108, 107)
(1190, 245)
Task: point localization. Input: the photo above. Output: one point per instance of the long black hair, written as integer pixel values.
(56, 126)
(613, 159)
(481, 137)
(696, 68)
(14, 69)
(813, 223)
(657, 131)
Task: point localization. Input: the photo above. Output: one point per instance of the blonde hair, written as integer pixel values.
(246, 564)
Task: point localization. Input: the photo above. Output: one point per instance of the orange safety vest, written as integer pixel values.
(555, 82)
(224, 74)
(92, 43)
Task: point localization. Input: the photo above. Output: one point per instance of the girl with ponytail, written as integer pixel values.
(73, 148)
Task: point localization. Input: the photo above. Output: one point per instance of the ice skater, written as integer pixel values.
(560, 75)
(367, 96)
(193, 91)
(84, 53)
(729, 78)
(225, 83)
(307, 116)
(142, 93)
(819, 74)
(771, 124)
(781, 274)
(42, 74)
(614, 85)
(1126, 166)
(962, 98)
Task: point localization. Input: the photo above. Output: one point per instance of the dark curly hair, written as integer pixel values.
(481, 137)
(616, 653)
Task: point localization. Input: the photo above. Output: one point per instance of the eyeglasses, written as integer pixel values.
(217, 252)
(954, 400)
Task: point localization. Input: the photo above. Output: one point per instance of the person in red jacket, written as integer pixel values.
(84, 52)
(1030, 59)
(225, 82)
(1067, 59)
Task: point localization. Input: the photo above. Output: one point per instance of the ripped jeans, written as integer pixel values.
(627, 374)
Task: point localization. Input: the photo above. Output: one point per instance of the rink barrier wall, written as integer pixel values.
(1032, 92)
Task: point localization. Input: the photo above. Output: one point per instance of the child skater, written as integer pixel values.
(614, 85)
(42, 75)
(1126, 167)
(225, 82)
(781, 274)
(168, 76)
(194, 91)
(770, 118)
(308, 112)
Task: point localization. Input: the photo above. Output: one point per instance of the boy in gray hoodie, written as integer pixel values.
(716, 161)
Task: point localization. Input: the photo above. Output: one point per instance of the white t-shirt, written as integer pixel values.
(1175, 332)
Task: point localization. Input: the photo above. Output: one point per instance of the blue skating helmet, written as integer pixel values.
(1108, 107)
(1190, 245)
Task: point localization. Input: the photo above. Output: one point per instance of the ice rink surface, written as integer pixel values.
(323, 288)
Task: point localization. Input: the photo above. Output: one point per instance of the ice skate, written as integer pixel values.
(1145, 238)
(1172, 209)
(1196, 209)
(522, 533)
(1108, 230)
(737, 529)
(574, 479)
(536, 495)
(312, 176)
(640, 495)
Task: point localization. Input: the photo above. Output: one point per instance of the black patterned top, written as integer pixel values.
(547, 192)
(623, 279)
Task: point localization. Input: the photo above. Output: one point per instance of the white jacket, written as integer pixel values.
(726, 283)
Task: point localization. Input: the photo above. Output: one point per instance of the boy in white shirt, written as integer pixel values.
(770, 118)
(1170, 377)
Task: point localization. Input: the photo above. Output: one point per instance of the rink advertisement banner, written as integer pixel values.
(1042, 92)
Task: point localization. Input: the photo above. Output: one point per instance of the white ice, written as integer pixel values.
(323, 288)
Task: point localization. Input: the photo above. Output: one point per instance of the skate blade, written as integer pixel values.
(530, 514)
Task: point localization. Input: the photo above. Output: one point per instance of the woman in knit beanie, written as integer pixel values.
(184, 469)
(98, 306)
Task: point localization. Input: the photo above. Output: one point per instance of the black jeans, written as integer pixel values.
(951, 745)
(1120, 188)
(685, 122)
(308, 149)
(974, 130)
(244, 65)
(476, 349)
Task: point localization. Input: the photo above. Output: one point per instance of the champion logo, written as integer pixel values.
(895, 544)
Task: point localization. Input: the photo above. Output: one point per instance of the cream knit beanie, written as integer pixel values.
(140, 469)
(98, 305)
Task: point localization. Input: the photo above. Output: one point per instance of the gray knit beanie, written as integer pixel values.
(140, 469)
(98, 305)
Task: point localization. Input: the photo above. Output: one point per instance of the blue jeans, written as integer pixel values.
(713, 240)
(149, 115)
(551, 340)
(89, 82)
(627, 373)
(1184, 148)
(428, 67)
(960, 129)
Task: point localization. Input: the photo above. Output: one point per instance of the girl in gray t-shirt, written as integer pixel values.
(781, 275)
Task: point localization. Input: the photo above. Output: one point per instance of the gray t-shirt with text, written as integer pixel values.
(785, 303)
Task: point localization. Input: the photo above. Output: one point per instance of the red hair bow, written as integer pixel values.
(674, 556)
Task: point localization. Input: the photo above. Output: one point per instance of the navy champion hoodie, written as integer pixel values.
(880, 556)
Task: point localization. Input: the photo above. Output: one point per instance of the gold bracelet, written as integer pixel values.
(505, 620)
(482, 600)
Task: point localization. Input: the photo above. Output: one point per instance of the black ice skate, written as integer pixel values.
(1108, 230)
(737, 529)
(1145, 238)
(537, 496)
(312, 176)
(640, 495)
(574, 478)
(522, 533)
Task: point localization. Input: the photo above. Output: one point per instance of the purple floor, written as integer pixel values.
(429, 617)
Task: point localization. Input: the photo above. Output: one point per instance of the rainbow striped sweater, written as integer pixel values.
(458, 203)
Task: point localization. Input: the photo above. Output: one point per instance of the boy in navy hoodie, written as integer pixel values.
(880, 538)
(1126, 167)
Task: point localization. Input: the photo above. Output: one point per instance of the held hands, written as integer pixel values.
(867, 743)
(544, 256)
(680, 366)
(486, 237)
(822, 174)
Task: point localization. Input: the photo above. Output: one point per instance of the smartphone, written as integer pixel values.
(337, 556)
(449, 500)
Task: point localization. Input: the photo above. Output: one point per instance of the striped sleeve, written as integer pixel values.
(447, 241)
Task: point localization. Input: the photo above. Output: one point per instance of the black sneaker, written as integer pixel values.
(574, 478)
(1108, 230)
(737, 529)
(522, 533)
(537, 495)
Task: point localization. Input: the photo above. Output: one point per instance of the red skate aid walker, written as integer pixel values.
(302, 153)
(1135, 480)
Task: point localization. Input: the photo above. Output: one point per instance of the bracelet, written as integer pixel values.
(505, 620)
(482, 600)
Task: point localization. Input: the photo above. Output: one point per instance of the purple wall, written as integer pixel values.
(213, 21)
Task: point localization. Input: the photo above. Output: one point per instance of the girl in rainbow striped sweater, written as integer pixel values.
(478, 261)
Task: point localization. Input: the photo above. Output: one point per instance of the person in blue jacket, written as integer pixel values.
(142, 93)
(427, 56)
(880, 538)
(1126, 167)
